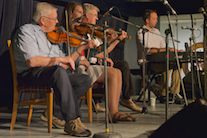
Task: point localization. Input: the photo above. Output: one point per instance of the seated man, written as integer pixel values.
(155, 43)
(39, 62)
(91, 12)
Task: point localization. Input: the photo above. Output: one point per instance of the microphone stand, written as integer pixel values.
(138, 26)
(144, 109)
(167, 32)
(196, 59)
(177, 61)
(106, 134)
(192, 68)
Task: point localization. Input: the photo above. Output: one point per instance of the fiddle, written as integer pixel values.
(99, 33)
(83, 29)
(58, 36)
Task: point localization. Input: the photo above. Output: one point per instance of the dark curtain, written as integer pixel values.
(14, 13)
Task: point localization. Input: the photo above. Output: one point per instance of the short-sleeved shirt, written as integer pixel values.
(151, 39)
(30, 41)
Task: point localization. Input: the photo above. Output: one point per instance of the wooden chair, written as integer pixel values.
(88, 97)
(32, 90)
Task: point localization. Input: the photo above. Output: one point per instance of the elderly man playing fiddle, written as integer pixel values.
(39, 62)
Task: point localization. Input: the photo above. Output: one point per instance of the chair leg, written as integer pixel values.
(89, 103)
(49, 110)
(30, 110)
(94, 106)
(14, 111)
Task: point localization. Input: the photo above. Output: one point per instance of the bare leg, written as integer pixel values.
(114, 88)
(119, 85)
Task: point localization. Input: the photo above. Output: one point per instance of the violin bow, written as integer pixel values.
(93, 28)
(67, 29)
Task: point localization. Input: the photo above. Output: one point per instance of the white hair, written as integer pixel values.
(87, 8)
(42, 9)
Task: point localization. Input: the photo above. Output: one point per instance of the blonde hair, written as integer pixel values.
(87, 8)
(42, 9)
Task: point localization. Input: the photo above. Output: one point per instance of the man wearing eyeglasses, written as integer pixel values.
(91, 16)
(38, 62)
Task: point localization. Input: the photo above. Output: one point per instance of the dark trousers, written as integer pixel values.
(68, 87)
(127, 85)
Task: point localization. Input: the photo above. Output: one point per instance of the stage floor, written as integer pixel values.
(142, 128)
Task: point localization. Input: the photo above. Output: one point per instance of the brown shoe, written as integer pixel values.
(80, 123)
(156, 90)
(99, 108)
(74, 128)
(55, 121)
(130, 104)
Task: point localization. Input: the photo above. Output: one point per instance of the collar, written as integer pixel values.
(153, 29)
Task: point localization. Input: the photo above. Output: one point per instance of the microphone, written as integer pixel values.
(184, 27)
(107, 13)
(77, 19)
(167, 5)
(202, 10)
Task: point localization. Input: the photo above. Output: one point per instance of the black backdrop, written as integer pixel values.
(13, 14)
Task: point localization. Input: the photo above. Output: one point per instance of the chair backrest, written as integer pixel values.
(13, 64)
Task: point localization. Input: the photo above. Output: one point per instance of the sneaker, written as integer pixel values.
(80, 123)
(99, 108)
(74, 128)
(55, 121)
(130, 104)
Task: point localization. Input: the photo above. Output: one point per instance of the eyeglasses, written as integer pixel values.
(95, 15)
(51, 18)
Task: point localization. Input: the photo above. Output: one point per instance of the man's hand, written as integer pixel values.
(87, 45)
(85, 63)
(67, 61)
(112, 37)
(123, 35)
(90, 44)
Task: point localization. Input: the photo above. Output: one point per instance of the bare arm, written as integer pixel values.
(90, 44)
(114, 43)
(155, 50)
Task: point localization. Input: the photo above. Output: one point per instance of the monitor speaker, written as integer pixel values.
(190, 122)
